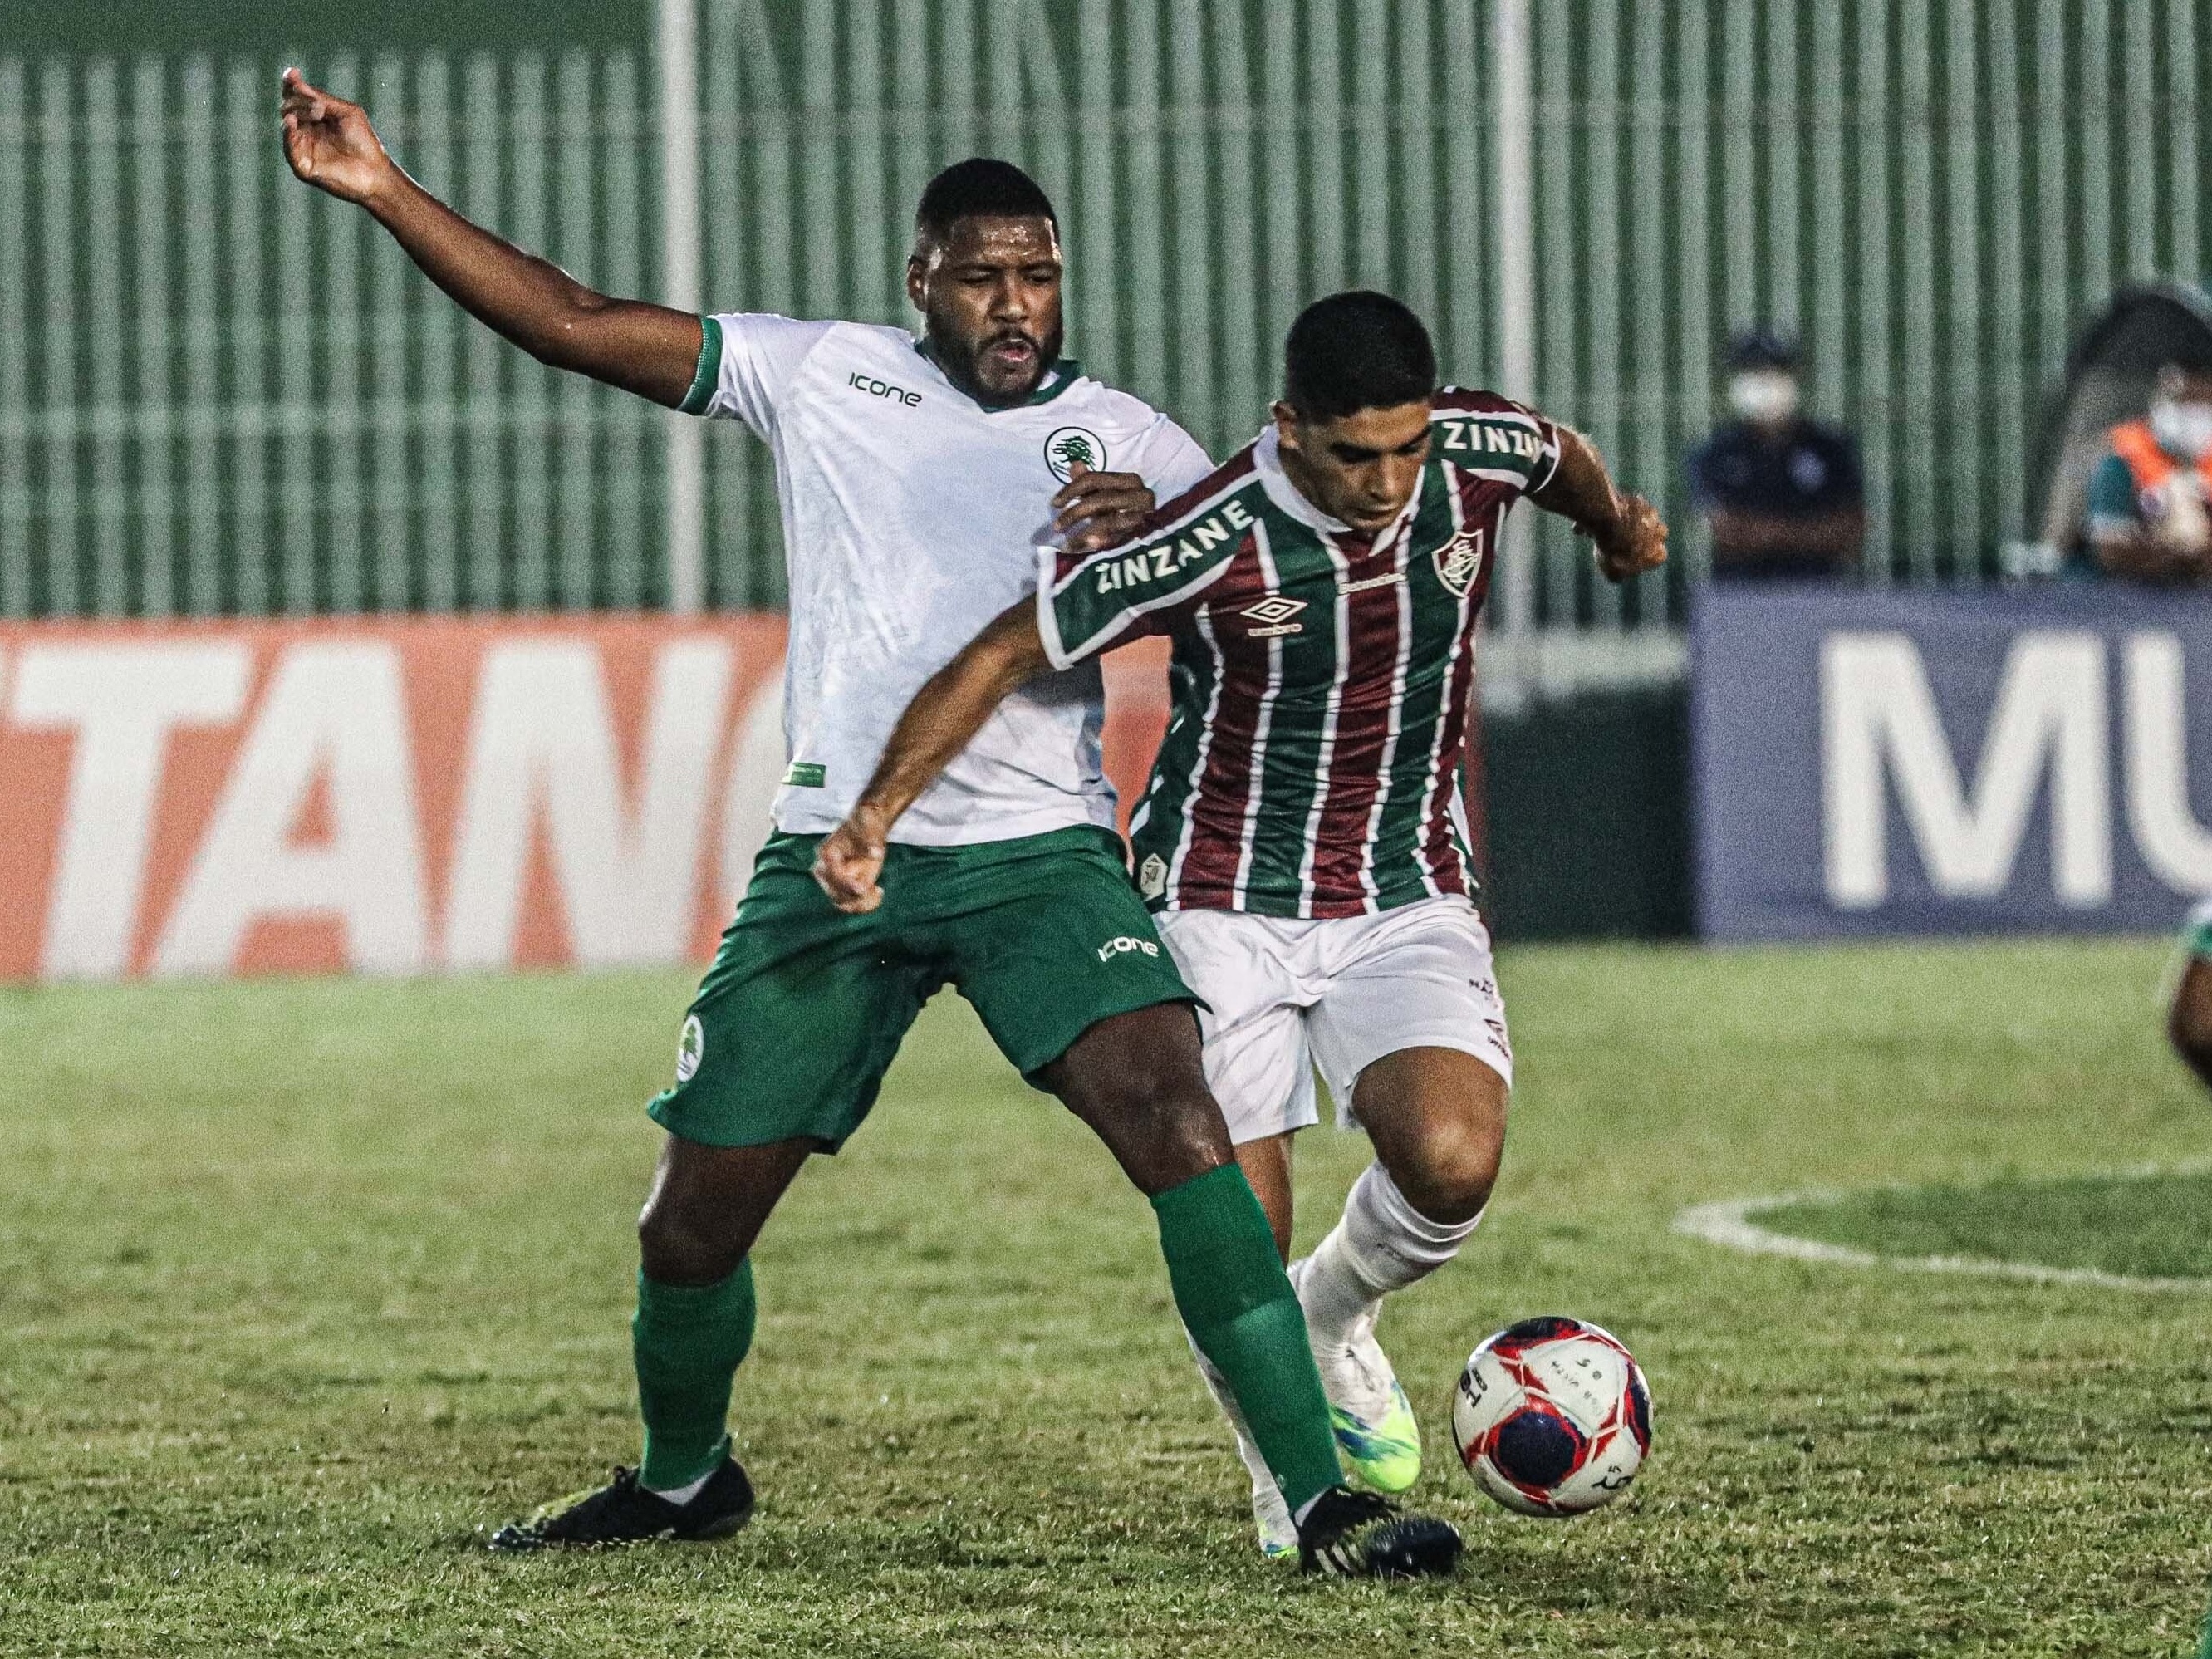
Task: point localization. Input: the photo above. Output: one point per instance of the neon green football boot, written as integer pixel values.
(1377, 1432)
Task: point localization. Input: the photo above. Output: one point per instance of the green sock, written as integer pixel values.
(1232, 1293)
(688, 1342)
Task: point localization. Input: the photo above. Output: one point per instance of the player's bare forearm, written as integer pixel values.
(943, 719)
(1627, 530)
(645, 349)
(638, 347)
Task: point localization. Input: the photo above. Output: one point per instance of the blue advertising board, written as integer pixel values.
(1870, 762)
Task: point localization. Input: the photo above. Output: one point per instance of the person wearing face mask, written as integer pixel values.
(2148, 520)
(1783, 492)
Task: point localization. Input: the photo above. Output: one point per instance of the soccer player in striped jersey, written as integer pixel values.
(1302, 841)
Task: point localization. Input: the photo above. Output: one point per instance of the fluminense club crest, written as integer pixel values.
(1459, 560)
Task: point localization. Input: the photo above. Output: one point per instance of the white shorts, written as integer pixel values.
(1286, 996)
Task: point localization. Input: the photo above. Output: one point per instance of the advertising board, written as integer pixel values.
(397, 796)
(1875, 762)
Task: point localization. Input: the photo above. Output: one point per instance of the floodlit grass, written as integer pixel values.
(2151, 1226)
(305, 1287)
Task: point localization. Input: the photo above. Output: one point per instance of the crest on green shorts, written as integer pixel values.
(690, 1049)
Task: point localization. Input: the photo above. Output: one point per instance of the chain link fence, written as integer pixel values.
(221, 392)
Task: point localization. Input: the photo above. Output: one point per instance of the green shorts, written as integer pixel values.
(798, 1019)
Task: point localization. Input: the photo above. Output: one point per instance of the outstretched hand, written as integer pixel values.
(330, 144)
(848, 865)
(1098, 509)
(1634, 542)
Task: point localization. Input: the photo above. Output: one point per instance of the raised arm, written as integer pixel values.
(646, 349)
(944, 717)
(1630, 535)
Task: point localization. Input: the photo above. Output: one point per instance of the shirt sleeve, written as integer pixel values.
(746, 361)
(2196, 932)
(1148, 583)
(2112, 506)
(1545, 466)
(1500, 440)
(1169, 460)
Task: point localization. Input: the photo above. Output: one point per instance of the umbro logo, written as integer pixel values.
(1273, 616)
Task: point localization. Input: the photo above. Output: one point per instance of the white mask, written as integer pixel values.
(1765, 395)
(2182, 430)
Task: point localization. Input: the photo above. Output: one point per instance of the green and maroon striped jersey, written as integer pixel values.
(1320, 678)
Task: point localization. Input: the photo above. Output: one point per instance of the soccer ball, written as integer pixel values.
(1551, 1417)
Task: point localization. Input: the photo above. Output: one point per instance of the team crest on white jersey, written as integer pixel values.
(1072, 445)
(1458, 561)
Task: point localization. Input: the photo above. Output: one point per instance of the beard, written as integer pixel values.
(969, 362)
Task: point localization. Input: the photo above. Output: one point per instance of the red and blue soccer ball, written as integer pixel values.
(1552, 1417)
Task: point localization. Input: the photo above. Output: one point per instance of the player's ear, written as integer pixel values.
(917, 278)
(1286, 424)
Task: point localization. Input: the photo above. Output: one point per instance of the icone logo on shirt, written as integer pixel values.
(861, 380)
(1123, 946)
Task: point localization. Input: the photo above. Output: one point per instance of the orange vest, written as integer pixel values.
(2150, 465)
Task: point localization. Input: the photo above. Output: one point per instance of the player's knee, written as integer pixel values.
(1453, 1174)
(681, 1243)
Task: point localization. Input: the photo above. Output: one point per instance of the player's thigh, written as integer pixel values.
(1047, 939)
(1050, 942)
(797, 1019)
(1411, 1036)
(1257, 1060)
(1420, 976)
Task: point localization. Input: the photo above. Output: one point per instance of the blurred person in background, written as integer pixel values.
(2189, 1021)
(2148, 498)
(1783, 492)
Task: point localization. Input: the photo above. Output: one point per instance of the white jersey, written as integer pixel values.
(911, 518)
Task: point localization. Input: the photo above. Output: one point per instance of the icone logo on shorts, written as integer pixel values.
(1123, 946)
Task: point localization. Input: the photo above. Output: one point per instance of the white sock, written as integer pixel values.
(1382, 1244)
(689, 1490)
(1263, 1479)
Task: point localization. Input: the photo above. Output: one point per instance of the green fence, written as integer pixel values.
(219, 392)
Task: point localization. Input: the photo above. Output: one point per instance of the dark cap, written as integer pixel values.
(1762, 348)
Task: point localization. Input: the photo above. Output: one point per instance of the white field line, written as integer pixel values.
(1728, 1222)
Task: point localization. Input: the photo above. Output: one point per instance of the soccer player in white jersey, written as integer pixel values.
(916, 474)
(1302, 842)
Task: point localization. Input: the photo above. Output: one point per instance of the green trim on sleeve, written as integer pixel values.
(709, 374)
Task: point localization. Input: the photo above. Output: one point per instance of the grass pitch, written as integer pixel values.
(305, 1287)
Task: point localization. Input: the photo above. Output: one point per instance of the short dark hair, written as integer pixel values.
(980, 187)
(1357, 351)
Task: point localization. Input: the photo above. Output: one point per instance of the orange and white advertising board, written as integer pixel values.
(396, 795)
